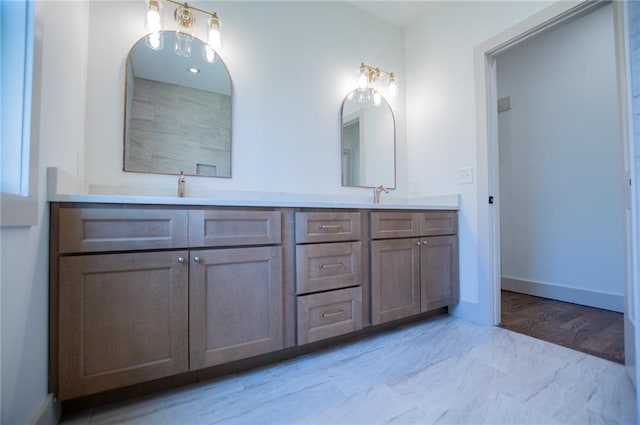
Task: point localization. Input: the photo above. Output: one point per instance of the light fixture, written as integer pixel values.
(368, 81)
(153, 24)
(185, 18)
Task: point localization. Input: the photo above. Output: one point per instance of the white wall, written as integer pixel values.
(441, 134)
(25, 251)
(561, 165)
(291, 64)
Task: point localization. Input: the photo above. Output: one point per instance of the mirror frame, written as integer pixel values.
(124, 123)
(393, 118)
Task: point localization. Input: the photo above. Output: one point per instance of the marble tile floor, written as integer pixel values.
(442, 371)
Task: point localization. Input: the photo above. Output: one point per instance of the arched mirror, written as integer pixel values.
(177, 111)
(368, 137)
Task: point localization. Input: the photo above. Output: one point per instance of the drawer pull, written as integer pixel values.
(180, 259)
(332, 313)
(331, 266)
(330, 226)
(196, 259)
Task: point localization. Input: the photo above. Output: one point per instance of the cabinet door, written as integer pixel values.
(123, 320)
(439, 268)
(235, 304)
(395, 279)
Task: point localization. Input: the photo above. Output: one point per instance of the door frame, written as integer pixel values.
(487, 165)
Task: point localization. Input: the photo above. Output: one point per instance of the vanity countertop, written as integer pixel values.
(449, 202)
(62, 189)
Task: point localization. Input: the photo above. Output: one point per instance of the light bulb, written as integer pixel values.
(208, 54)
(215, 38)
(154, 41)
(153, 19)
(377, 98)
(363, 78)
(393, 88)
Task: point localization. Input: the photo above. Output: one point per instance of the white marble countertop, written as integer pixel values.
(440, 204)
(63, 188)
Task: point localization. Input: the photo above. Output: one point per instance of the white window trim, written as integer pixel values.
(17, 210)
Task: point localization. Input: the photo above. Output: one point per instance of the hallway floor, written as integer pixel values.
(587, 329)
(441, 371)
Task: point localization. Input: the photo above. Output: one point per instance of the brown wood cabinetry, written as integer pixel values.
(124, 314)
(143, 292)
(395, 279)
(439, 272)
(328, 274)
(411, 274)
(235, 304)
(123, 320)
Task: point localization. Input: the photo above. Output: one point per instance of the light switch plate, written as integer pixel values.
(465, 175)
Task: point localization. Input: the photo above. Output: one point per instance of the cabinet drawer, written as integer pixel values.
(119, 229)
(233, 228)
(327, 266)
(385, 225)
(329, 314)
(438, 223)
(327, 226)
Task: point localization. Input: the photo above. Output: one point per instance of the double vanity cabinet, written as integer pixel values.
(142, 292)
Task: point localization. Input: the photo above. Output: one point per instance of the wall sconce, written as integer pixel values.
(368, 82)
(185, 18)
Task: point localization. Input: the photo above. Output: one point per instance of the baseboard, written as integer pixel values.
(596, 299)
(49, 413)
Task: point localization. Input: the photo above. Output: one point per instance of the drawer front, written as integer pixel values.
(119, 229)
(327, 266)
(436, 223)
(387, 225)
(233, 228)
(327, 227)
(329, 314)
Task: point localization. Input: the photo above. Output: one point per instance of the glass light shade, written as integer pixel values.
(153, 18)
(155, 41)
(183, 44)
(377, 98)
(208, 54)
(215, 38)
(363, 78)
(393, 88)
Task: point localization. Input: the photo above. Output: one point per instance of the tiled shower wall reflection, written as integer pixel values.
(175, 128)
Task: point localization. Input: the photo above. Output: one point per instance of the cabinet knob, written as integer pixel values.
(196, 259)
(418, 243)
(180, 259)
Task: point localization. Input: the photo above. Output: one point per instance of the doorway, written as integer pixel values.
(489, 272)
(561, 194)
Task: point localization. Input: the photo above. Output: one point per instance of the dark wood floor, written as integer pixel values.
(587, 329)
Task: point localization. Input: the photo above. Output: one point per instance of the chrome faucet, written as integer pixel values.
(181, 185)
(376, 193)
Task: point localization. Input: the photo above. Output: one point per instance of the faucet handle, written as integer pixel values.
(376, 193)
